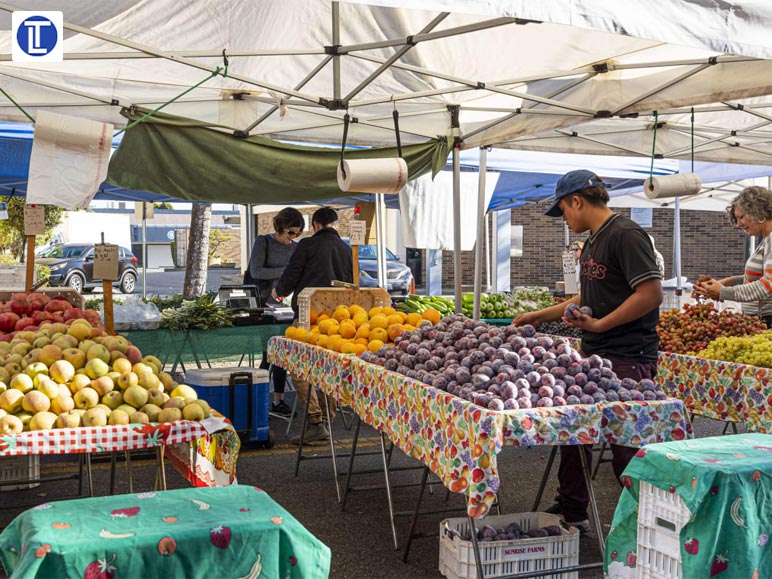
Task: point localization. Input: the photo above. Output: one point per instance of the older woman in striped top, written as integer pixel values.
(750, 211)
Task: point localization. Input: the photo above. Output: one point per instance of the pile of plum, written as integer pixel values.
(506, 368)
(511, 532)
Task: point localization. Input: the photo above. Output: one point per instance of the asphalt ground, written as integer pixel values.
(359, 537)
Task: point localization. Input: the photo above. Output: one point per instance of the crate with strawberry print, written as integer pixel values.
(508, 557)
(661, 516)
(19, 469)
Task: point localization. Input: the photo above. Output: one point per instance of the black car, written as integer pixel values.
(72, 265)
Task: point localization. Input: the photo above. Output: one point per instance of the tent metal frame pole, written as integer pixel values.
(395, 57)
(660, 88)
(165, 55)
(604, 143)
(55, 86)
(336, 57)
(488, 250)
(298, 86)
(427, 36)
(7, 57)
(480, 242)
(457, 227)
(677, 244)
(380, 247)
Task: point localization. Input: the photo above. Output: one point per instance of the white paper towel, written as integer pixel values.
(678, 185)
(69, 160)
(372, 175)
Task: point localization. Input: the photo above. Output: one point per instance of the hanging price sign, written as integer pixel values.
(106, 261)
(34, 220)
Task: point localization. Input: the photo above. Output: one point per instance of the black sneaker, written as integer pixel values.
(281, 409)
(555, 509)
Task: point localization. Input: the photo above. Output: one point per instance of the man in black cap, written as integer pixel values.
(621, 283)
(317, 261)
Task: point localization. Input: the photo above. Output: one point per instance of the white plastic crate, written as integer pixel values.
(661, 516)
(19, 468)
(501, 558)
(13, 276)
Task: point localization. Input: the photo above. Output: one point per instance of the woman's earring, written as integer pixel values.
(760, 220)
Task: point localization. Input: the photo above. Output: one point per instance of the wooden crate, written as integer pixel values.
(70, 295)
(328, 298)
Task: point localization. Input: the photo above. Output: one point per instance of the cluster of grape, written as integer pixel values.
(690, 330)
(560, 329)
(754, 350)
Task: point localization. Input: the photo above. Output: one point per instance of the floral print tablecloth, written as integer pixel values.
(721, 390)
(459, 441)
(234, 531)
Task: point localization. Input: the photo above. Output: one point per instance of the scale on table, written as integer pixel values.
(243, 301)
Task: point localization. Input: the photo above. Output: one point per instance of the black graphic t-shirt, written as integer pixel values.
(614, 260)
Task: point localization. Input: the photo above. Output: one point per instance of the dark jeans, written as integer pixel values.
(279, 375)
(572, 490)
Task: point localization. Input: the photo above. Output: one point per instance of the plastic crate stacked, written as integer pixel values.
(502, 558)
(661, 516)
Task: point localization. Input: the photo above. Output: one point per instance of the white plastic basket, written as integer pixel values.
(19, 468)
(661, 516)
(501, 558)
(13, 276)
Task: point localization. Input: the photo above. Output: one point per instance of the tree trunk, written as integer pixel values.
(198, 251)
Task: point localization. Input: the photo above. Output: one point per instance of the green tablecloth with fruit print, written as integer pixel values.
(458, 440)
(726, 483)
(721, 390)
(235, 531)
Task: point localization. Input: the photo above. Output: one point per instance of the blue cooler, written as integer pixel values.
(241, 394)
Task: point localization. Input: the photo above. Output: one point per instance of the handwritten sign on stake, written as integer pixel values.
(105, 261)
(357, 232)
(34, 220)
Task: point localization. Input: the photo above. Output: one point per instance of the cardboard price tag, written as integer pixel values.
(106, 261)
(569, 272)
(357, 232)
(34, 220)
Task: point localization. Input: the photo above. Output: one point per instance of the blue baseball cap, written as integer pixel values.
(572, 182)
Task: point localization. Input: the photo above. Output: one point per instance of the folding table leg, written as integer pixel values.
(128, 472)
(161, 450)
(593, 502)
(476, 548)
(303, 430)
(544, 478)
(599, 461)
(414, 520)
(113, 460)
(388, 490)
(81, 460)
(351, 462)
(89, 475)
(332, 451)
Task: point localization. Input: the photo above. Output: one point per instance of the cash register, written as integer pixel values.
(243, 302)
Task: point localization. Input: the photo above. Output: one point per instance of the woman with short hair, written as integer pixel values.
(750, 211)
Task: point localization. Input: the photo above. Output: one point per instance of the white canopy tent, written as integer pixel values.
(295, 67)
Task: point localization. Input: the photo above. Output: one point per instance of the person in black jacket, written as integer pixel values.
(317, 261)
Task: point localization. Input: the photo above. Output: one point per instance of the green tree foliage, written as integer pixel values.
(164, 205)
(12, 237)
(217, 239)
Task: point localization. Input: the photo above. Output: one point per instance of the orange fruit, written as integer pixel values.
(395, 319)
(388, 310)
(360, 318)
(363, 341)
(414, 319)
(358, 348)
(347, 348)
(432, 315)
(379, 321)
(408, 328)
(314, 316)
(379, 334)
(374, 346)
(341, 313)
(322, 317)
(333, 342)
(355, 309)
(394, 331)
(374, 311)
(348, 330)
(322, 340)
(363, 331)
(290, 332)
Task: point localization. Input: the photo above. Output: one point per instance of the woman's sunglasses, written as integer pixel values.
(292, 233)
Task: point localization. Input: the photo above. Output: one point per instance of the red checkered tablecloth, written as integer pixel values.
(101, 438)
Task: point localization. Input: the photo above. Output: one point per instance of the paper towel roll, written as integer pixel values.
(678, 185)
(372, 175)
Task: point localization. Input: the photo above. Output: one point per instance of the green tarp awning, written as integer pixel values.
(191, 160)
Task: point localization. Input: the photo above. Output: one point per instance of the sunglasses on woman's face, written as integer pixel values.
(292, 233)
